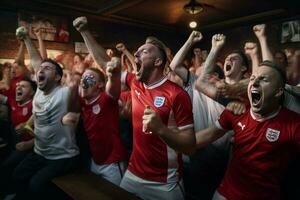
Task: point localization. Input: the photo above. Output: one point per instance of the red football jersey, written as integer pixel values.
(261, 153)
(20, 114)
(151, 158)
(101, 123)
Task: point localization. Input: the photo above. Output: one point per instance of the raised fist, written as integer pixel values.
(113, 67)
(259, 30)
(21, 32)
(197, 51)
(218, 40)
(195, 36)
(120, 47)
(80, 23)
(38, 32)
(250, 48)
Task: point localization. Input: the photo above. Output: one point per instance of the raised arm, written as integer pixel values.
(121, 47)
(21, 53)
(259, 31)
(208, 135)
(176, 64)
(35, 57)
(203, 83)
(252, 51)
(113, 72)
(38, 33)
(96, 50)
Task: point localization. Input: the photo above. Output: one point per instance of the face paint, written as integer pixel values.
(88, 81)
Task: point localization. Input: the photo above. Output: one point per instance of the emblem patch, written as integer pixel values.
(272, 135)
(25, 111)
(159, 101)
(96, 109)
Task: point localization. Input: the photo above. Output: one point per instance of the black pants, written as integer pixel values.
(32, 177)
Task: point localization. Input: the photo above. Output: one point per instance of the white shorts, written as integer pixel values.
(111, 172)
(150, 190)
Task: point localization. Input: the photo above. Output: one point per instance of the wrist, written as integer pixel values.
(161, 130)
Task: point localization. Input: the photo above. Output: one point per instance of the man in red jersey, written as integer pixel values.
(267, 137)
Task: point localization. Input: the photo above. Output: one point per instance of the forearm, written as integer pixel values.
(35, 57)
(176, 64)
(42, 48)
(207, 136)
(130, 58)
(265, 50)
(113, 87)
(294, 90)
(181, 141)
(96, 50)
(255, 62)
(20, 57)
(73, 99)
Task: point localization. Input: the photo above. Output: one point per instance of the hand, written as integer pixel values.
(251, 48)
(80, 24)
(236, 107)
(227, 90)
(120, 47)
(259, 30)
(22, 146)
(197, 52)
(113, 67)
(22, 33)
(218, 41)
(195, 36)
(38, 32)
(71, 118)
(151, 121)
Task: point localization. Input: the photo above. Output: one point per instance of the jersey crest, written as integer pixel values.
(96, 109)
(159, 101)
(24, 111)
(272, 135)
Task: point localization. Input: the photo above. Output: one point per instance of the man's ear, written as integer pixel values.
(101, 85)
(57, 77)
(244, 69)
(158, 62)
(279, 92)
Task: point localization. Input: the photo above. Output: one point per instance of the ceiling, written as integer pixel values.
(165, 15)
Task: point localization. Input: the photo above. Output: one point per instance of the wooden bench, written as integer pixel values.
(88, 186)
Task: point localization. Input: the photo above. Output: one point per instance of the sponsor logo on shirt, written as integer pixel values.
(96, 109)
(241, 125)
(159, 101)
(25, 111)
(272, 135)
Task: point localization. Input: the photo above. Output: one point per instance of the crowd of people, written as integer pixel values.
(157, 125)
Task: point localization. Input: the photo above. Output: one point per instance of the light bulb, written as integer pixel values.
(193, 24)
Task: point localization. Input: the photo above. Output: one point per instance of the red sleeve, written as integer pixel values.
(125, 96)
(225, 120)
(129, 79)
(183, 113)
(297, 137)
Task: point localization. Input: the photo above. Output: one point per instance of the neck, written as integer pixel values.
(232, 80)
(92, 99)
(49, 90)
(23, 102)
(262, 116)
(155, 76)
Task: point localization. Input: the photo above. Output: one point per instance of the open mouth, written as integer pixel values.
(19, 93)
(41, 78)
(138, 67)
(227, 67)
(256, 97)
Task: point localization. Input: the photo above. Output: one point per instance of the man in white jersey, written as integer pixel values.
(55, 149)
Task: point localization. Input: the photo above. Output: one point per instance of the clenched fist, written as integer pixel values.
(80, 23)
(113, 67)
(151, 121)
(195, 36)
(218, 40)
(22, 33)
(250, 48)
(120, 47)
(259, 30)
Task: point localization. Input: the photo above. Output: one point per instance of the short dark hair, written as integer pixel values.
(277, 68)
(31, 82)
(161, 47)
(58, 68)
(245, 61)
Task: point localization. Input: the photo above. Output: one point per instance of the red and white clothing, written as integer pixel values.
(151, 158)
(101, 123)
(262, 150)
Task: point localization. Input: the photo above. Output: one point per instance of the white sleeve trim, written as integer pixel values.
(218, 125)
(186, 127)
(123, 77)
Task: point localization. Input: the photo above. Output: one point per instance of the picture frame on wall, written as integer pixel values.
(54, 28)
(290, 31)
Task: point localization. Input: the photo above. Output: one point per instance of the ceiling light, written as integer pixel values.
(193, 7)
(193, 24)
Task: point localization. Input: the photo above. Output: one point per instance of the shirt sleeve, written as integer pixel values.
(225, 120)
(183, 113)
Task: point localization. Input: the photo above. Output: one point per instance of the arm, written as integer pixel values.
(97, 51)
(203, 83)
(197, 58)
(21, 53)
(180, 140)
(35, 57)
(208, 135)
(293, 90)
(251, 50)
(42, 48)
(233, 90)
(176, 64)
(259, 31)
(121, 47)
(113, 72)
